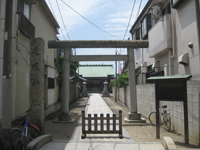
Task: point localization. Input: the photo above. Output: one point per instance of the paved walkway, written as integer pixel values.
(97, 141)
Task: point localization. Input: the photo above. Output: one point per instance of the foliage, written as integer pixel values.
(122, 81)
(111, 84)
(73, 67)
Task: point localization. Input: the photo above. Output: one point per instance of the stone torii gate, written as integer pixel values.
(68, 45)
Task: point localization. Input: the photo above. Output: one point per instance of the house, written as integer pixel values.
(29, 19)
(173, 34)
(96, 76)
(172, 28)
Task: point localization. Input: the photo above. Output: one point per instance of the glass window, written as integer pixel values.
(137, 34)
(26, 9)
(174, 1)
(144, 27)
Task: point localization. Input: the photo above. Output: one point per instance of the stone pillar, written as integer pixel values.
(65, 116)
(105, 90)
(84, 93)
(37, 114)
(133, 116)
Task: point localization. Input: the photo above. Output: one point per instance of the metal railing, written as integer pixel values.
(102, 120)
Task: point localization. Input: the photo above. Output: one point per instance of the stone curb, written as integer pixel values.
(168, 143)
(39, 142)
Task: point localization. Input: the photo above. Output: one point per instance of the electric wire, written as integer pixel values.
(89, 20)
(23, 57)
(136, 16)
(56, 19)
(62, 20)
(52, 10)
(129, 19)
(138, 10)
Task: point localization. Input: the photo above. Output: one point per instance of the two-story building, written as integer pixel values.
(172, 28)
(29, 19)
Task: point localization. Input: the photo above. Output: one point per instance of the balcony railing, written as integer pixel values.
(160, 37)
(25, 26)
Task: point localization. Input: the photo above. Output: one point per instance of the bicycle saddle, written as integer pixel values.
(164, 106)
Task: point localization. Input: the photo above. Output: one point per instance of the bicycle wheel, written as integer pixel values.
(167, 121)
(18, 145)
(32, 133)
(152, 118)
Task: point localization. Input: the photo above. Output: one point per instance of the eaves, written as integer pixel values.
(46, 7)
(141, 15)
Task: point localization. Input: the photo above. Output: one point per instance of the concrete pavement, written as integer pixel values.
(97, 141)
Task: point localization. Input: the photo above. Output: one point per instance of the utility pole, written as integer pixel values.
(6, 91)
(116, 79)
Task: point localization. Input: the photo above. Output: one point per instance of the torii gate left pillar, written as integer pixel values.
(65, 112)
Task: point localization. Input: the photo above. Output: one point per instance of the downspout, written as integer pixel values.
(172, 53)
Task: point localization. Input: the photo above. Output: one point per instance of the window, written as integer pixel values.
(24, 24)
(176, 3)
(138, 70)
(145, 26)
(136, 34)
(26, 10)
(51, 83)
(23, 7)
(168, 10)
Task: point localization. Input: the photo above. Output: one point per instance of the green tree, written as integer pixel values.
(73, 67)
(123, 80)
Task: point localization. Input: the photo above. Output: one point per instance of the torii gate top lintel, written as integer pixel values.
(99, 44)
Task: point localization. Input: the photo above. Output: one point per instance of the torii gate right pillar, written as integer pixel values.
(133, 115)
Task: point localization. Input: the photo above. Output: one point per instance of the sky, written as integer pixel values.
(95, 20)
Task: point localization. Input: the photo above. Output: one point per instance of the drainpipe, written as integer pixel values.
(172, 54)
(6, 91)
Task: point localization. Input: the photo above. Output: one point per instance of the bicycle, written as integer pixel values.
(165, 119)
(24, 133)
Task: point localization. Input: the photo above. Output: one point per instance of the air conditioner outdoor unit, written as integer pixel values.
(156, 11)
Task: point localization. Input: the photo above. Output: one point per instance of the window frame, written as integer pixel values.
(21, 8)
(148, 18)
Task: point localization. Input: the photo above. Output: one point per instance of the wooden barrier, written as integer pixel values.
(101, 119)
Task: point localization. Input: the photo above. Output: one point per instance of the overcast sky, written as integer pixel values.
(111, 16)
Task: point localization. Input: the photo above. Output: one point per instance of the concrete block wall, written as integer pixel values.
(146, 104)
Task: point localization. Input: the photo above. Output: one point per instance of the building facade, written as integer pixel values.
(172, 28)
(29, 19)
(96, 75)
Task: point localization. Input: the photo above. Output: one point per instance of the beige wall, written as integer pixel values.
(43, 28)
(22, 71)
(46, 30)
